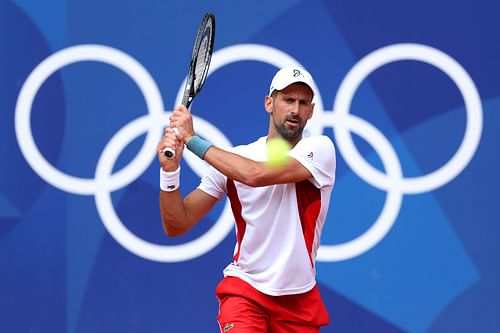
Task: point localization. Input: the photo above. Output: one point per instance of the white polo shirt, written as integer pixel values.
(278, 227)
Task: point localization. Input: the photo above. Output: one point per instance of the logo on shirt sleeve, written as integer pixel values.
(228, 326)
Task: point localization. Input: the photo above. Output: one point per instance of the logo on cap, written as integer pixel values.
(296, 73)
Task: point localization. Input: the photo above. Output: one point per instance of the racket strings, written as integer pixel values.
(203, 58)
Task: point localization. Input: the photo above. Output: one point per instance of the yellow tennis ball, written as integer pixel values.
(277, 152)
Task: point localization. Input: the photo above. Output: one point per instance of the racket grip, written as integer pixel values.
(170, 152)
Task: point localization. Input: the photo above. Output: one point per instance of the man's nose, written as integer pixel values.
(294, 108)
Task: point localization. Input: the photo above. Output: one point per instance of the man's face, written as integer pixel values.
(290, 110)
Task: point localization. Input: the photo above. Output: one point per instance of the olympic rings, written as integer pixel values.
(136, 245)
(393, 182)
(42, 72)
(340, 120)
(459, 76)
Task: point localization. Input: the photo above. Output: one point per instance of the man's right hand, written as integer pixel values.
(174, 140)
(182, 119)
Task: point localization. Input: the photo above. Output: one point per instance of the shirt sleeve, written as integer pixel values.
(213, 183)
(317, 154)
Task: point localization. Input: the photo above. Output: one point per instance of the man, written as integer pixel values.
(279, 211)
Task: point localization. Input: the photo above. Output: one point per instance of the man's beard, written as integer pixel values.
(289, 134)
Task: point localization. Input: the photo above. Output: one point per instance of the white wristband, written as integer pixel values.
(169, 181)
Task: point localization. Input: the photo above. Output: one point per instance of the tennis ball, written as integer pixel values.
(277, 152)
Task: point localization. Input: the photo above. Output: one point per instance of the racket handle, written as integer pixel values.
(170, 152)
(186, 101)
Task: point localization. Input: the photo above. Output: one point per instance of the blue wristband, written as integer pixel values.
(198, 146)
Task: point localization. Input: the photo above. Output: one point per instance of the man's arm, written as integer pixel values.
(254, 173)
(179, 214)
(237, 167)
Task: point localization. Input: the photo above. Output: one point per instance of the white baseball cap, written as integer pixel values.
(288, 75)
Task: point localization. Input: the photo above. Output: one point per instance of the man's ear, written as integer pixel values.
(268, 104)
(312, 111)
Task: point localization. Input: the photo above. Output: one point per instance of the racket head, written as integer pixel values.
(199, 65)
(200, 58)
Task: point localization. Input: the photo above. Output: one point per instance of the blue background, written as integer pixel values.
(435, 271)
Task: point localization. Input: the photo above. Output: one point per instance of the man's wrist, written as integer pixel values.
(187, 138)
(198, 146)
(170, 181)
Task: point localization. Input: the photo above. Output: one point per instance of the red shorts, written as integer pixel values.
(243, 309)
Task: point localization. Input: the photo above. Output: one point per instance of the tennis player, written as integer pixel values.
(279, 211)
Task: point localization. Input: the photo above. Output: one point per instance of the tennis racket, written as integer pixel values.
(198, 67)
